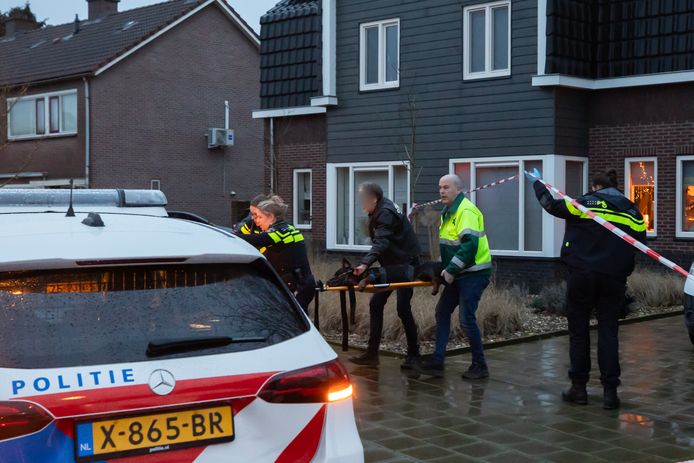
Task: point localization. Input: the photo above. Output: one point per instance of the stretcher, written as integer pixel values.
(350, 319)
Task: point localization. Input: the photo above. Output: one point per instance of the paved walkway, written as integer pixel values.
(518, 416)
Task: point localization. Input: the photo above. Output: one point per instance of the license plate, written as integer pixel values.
(146, 434)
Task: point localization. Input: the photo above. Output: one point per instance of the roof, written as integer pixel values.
(56, 52)
(50, 240)
(290, 54)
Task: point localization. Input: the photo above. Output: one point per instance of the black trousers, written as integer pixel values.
(306, 291)
(588, 291)
(404, 307)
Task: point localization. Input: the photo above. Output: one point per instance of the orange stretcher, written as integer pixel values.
(351, 290)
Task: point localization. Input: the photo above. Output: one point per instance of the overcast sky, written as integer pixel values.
(62, 11)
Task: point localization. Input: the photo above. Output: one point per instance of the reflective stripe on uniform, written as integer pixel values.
(470, 231)
(457, 262)
(477, 267)
(615, 217)
(449, 242)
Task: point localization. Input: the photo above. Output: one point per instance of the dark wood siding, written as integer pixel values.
(455, 118)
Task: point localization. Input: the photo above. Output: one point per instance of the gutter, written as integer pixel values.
(87, 133)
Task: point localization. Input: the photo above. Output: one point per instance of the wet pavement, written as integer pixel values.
(517, 415)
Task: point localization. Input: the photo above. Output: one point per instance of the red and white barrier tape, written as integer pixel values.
(414, 207)
(623, 235)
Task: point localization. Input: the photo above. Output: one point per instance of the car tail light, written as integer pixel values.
(21, 418)
(327, 382)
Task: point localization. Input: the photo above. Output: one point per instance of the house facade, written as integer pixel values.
(487, 90)
(125, 100)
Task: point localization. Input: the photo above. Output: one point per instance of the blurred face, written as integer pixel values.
(448, 191)
(264, 220)
(254, 213)
(368, 201)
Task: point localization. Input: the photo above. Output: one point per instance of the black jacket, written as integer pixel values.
(285, 248)
(587, 244)
(393, 240)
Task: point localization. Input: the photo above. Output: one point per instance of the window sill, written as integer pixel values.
(42, 137)
(377, 88)
(303, 227)
(486, 76)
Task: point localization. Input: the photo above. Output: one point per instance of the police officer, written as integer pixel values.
(247, 226)
(393, 242)
(285, 248)
(599, 264)
(467, 270)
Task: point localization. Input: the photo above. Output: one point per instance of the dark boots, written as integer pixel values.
(366, 359)
(611, 399)
(576, 394)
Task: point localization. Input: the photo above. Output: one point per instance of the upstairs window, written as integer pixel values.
(487, 40)
(379, 55)
(50, 114)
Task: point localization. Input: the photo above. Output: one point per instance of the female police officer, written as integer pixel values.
(599, 264)
(285, 248)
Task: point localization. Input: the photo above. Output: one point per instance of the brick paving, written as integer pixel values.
(518, 416)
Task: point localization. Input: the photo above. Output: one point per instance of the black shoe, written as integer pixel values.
(611, 399)
(576, 394)
(411, 362)
(365, 359)
(431, 368)
(476, 371)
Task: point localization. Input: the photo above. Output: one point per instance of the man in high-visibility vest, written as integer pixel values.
(467, 265)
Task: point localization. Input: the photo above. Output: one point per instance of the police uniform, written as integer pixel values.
(285, 249)
(248, 227)
(599, 264)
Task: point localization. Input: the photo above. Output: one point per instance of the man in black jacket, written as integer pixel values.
(599, 264)
(393, 242)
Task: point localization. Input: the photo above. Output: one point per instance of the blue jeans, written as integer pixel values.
(465, 292)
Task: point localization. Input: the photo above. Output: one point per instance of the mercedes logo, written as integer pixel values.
(162, 382)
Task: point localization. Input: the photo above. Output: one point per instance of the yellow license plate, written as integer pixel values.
(145, 434)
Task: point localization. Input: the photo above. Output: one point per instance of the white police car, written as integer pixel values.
(128, 336)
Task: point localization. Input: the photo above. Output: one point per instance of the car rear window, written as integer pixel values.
(92, 316)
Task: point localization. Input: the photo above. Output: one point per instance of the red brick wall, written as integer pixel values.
(300, 144)
(152, 110)
(611, 144)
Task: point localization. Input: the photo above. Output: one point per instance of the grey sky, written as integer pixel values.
(62, 11)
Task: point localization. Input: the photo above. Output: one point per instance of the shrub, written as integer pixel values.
(501, 311)
(655, 289)
(551, 300)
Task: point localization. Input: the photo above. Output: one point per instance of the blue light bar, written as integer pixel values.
(51, 199)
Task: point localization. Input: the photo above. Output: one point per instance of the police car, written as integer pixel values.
(128, 336)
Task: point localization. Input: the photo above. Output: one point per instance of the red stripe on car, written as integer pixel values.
(305, 445)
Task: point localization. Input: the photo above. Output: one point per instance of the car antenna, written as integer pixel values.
(70, 210)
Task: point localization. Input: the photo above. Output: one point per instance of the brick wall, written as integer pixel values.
(610, 145)
(151, 112)
(300, 144)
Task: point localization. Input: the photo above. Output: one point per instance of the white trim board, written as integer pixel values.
(221, 3)
(288, 112)
(561, 80)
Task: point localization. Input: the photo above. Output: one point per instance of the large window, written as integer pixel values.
(302, 198)
(640, 186)
(45, 115)
(347, 222)
(514, 220)
(487, 40)
(379, 55)
(685, 197)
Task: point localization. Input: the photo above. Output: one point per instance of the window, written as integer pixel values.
(487, 40)
(685, 197)
(302, 198)
(155, 184)
(379, 56)
(514, 220)
(53, 114)
(347, 222)
(640, 186)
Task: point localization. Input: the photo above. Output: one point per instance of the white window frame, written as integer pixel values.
(627, 185)
(488, 46)
(679, 231)
(554, 172)
(153, 182)
(331, 197)
(47, 114)
(295, 201)
(382, 51)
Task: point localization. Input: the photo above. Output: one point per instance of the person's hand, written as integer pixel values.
(361, 269)
(534, 175)
(448, 277)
